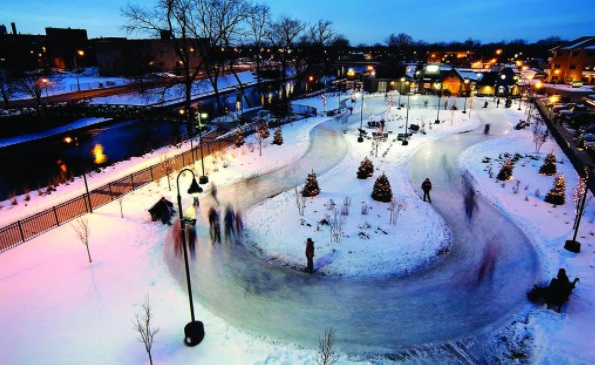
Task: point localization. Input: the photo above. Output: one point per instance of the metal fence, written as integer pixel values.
(27, 228)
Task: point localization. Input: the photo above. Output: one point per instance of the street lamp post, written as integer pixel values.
(80, 53)
(573, 245)
(69, 139)
(202, 179)
(465, 91)
(360, 139)
(439, 92)
(520, 97)
(400, 91)
(405, 141)
(45, 85)
(194, 331)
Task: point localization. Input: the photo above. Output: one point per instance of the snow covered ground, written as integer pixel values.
(58, 308)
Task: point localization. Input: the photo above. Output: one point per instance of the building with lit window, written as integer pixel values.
(573, 62)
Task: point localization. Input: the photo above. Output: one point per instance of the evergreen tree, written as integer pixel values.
(506, 171)
(557, 195)
(549, 165)
(239, 138)
(311, 188)
(264, 130)
(278, 137)
(366, 169)
(382, 191)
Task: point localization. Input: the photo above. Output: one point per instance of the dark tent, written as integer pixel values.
(162, 210)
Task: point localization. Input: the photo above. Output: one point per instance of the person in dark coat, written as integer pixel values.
(310, 255)
(426, 186)
(498, 102)
(215, 229)
(563, 278)
(228, 223)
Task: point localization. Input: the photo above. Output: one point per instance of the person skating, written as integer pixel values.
(214, 228)
(310, 255)
(214, 192)
(426, 186)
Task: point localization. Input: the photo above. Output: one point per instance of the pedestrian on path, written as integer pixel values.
(426, 186)
(498, 102)
(310, 255)
(446, 105)
(214, 192)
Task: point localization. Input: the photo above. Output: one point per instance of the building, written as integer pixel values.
(507, 82)
(68, 48)
(22, 52)
(573, 62)
(121, 56)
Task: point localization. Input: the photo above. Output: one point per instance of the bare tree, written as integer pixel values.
(81, 228)
(257, 22)
(32, 85)
(8, 87)
(300, 201)
(166, 168)
(336, 221)
(327, 355)
(283, 35)
(395, 206)
(176, 19)
(539, 135)
(121, 204)
(144, 327)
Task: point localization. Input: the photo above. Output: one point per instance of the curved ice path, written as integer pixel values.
(444, 302)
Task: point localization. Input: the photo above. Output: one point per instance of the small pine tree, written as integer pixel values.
(506, 171)
(278, 137)
(239, 138)
(366, 169)
(264, 131)
(549, 165)
(311, 188)
(557, 195)
(382, 191)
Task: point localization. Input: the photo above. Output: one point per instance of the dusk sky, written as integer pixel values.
(360, 21)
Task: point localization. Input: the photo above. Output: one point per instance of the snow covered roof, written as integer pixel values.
(579, 43)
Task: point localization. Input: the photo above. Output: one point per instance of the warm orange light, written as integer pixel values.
(181, 111)
(311, 78)
(100, 157)
(67, 139)
(557, 72)
(370, 68)
(498, 51)
(80, 52)
(45, 81)
(538, 85)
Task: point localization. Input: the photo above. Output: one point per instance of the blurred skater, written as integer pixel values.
(228, 223)
(214, 228)
(488, 263)
(470, 203)
(310, 255)
(214, 192)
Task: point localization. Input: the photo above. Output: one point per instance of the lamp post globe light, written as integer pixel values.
(202, 179)
(194, 331)
(45, 85)
(439, 93)
(68, 139)
(400, 91)
(80, 53)
(360, 139)
(465, 91)
(405, 141)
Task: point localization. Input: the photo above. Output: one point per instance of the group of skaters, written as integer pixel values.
(233, 224)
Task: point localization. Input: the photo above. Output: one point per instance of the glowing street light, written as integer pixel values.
(202, 179)
(80, 53)
(360, 139)
(45, 85)
(465, 91)
(400, 91)
(68, 139)
(439, 92)
(194, 331)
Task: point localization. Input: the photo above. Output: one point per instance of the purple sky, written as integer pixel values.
(360, 21)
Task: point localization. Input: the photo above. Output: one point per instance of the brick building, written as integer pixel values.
(573, 62)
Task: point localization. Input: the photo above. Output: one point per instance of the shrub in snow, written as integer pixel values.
(278, 137)
(382, 191)
(506, 171)
(549, 165)
(557, 195)
(311, 188)
(366, 169)
(239, 138)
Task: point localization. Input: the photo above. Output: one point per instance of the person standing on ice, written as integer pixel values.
(426, 186)
(310, 255)
(214, 192)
